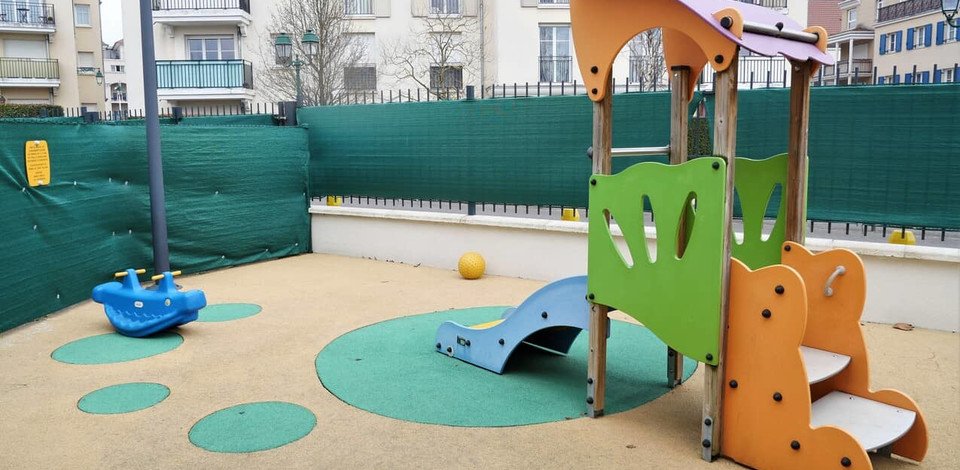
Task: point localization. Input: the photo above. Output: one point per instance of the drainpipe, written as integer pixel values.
(483, 45)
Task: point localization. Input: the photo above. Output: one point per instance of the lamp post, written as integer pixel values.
(310, 44)
(950, 9)
(99, 77)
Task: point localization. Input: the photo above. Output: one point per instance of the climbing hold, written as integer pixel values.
(766, 313)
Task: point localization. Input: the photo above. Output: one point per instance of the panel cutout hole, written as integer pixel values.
(737, 213)
(685, 225)
(651, 251)
(620, 244)
(773, 206)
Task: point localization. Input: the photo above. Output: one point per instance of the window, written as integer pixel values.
(25, 49)
(555, 54)
(211, 48)
(360, 78)
(891, 42)
(950, 33)
(852, 18)
(445, 7)
(81, 14)
(86, 63)
(116, 68)
(919, 36)
(447, 77)
(359, 7)
(947, 76)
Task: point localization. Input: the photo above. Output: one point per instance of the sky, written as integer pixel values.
(111, 21)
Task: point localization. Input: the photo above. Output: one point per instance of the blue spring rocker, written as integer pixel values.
(138, 312)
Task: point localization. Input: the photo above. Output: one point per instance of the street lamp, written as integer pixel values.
(950, 9)
(310, 44)
(99, 77)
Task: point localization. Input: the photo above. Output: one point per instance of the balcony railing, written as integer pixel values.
(906, 9)
(860, 68)
(782, 4)
(204, 74)
(39, 69)
(27, 14)
(555, 68)
(159, 5)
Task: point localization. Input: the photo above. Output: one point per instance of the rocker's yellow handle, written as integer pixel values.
(160, 276)
(124, 273)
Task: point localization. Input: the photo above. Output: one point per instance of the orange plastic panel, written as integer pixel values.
(833, 324)
(763, 358)
(602, 27)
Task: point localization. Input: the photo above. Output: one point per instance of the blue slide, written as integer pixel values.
(549, 319)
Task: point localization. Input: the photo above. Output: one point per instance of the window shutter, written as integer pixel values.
(937, 75)
(419, 8)
(927, 35)
(907, 78)
(470, 7)
(898, 41)
(381, 8)
(880, 80)
(940, 33)
(910, 39)
(529, 3)
(925, 77)
(883, 44)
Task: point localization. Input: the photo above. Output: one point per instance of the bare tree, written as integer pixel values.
(647, 64)
(438, 52)
(322, 75)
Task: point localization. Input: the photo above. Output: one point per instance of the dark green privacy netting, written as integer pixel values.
(877, 154)
(234, 195)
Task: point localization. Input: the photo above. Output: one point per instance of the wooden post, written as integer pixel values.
(679, 129)
(796, 193)
(724, 145)
(597, 360)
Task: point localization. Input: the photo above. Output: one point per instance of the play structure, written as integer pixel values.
(136, 311)
(777, 327)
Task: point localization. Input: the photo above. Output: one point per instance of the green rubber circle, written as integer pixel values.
(252, 427)
(123, 398)
(112, 347)
(227, 312)
(393, 369)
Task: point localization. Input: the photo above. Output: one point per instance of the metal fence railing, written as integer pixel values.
(29, 14)
(906, 9)
(204, 74)
(160, 5)
(40, 69)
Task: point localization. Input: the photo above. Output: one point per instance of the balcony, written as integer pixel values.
(27, 17)
(906, 9)
(775, 4)
(204, 79)
(202, 12)
(555, 69)
(861, 70)
(29, 73)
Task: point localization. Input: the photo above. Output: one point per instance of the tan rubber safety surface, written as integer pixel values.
(307, 302)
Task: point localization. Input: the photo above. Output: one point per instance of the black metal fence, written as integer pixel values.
(38, 69)
(23, 13)
(159, 5)
(234, 109)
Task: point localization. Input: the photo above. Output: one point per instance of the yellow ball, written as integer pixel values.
(471, 265)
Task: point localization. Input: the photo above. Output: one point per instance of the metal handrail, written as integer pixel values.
(41, 69)
(159, 5)
(27, 14)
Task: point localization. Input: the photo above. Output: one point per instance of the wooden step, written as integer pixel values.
(871, 423)
(821, 365)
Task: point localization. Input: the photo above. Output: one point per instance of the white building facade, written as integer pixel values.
(210, 52)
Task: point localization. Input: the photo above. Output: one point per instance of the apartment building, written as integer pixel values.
(853, 46)
(115, 77)
(215, 52)
(914, 44)
(50, 53)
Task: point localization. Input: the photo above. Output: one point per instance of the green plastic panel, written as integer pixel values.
(755, 183)
(677, 298)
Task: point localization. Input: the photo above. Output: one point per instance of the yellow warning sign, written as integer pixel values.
(38, 162)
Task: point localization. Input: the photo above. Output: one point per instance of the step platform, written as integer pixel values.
(821, 365)
(873, 424)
